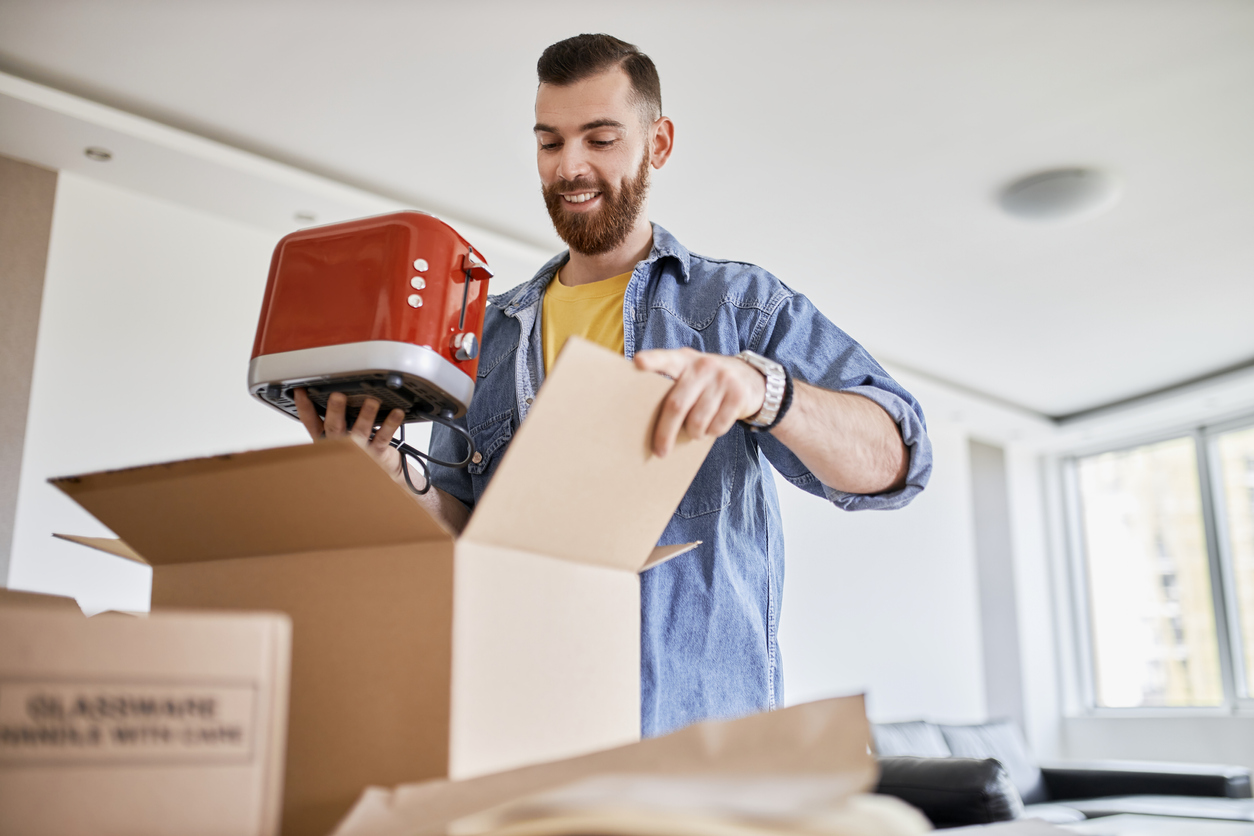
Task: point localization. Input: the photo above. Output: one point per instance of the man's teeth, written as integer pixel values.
(579, 198)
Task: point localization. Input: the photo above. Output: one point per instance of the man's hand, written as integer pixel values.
(846, 440)
(388, 457)
(711, 393)
(443, 506)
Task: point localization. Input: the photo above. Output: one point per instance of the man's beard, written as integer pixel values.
(594, 233)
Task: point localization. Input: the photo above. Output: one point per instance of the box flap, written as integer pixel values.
(580, 481)
(661, 554)
(109, 545)
(23, 598)
(310, 497)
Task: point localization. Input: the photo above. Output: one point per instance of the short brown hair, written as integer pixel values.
(574, 59)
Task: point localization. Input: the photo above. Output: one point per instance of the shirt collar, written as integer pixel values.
(665, 245)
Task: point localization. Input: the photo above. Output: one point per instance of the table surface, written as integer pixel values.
(1131, 825)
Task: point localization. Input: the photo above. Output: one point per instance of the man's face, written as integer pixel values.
(593, 155)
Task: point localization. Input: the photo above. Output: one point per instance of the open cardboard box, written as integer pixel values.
(416, 653)
(115, 724)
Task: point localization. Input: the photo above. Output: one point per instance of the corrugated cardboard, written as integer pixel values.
(789, 766)
(115, 724)
(418, 654)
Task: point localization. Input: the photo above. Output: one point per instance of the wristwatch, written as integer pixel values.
(776, 384)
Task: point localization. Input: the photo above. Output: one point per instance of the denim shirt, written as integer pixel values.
(708, 646)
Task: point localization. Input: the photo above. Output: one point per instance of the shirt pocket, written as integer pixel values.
(491, 438)
(709, 492)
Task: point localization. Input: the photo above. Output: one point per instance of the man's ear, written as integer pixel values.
(661, 140)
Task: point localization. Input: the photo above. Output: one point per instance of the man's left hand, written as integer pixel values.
(711, 393)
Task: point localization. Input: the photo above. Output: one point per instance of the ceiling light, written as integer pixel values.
(1061, 194)
(100, 155)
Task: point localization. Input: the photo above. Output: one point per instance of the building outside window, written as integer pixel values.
(1165, 580)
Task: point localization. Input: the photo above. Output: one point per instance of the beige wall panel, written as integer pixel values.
(27, 193)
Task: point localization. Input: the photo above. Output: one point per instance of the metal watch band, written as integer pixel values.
(776, 382)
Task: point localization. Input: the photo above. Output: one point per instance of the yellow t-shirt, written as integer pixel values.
(592, 311)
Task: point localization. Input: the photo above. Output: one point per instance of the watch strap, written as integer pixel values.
(778, 386)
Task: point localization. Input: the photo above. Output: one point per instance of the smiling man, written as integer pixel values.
(754, 363)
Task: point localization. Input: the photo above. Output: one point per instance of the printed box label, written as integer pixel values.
(51, 721)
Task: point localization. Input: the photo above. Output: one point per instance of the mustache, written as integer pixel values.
(580, 185)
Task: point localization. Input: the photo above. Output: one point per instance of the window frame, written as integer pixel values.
(1238, 697)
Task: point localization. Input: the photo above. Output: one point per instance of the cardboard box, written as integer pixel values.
(418, 654)
(124, 725)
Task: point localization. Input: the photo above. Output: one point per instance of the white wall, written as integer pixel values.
(888, 602)
(148, 317)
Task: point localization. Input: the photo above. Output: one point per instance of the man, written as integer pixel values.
(830, 421)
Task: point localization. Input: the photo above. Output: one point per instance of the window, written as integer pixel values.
(1234, 470)
(1165, 533)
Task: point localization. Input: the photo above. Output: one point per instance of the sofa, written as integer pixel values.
(979, 774)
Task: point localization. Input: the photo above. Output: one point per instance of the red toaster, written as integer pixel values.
(389, 307)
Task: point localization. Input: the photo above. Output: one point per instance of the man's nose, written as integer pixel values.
(573, 163)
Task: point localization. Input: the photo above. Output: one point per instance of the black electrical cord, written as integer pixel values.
(423, 459)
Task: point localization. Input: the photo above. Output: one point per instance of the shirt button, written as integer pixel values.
(529, 400)
(477, 457)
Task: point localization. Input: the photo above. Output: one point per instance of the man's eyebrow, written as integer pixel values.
(590, 126)
(601, 123)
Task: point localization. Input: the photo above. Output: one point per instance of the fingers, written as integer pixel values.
(670, 362)
(308, 413)
(674, 413)
(710, 394)
(364, 423)
(334, 424)
(726, 417)
(390, 424)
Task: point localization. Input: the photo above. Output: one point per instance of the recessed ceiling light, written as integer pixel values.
(100, 155)
(1061, 194)
(305, 217)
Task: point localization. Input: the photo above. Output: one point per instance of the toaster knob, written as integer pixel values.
(467, 346)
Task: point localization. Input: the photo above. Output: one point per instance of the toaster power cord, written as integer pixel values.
(422, 459)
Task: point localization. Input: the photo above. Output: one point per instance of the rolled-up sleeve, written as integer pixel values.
(794, 333)
(449, 446)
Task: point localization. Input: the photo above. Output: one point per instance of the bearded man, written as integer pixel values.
(754, 364)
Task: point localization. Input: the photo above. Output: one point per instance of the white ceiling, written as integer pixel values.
(852, 148)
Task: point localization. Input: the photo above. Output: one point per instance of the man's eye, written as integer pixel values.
(602, 143)
(549, 146)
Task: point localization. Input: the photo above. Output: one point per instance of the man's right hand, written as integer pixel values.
(334, 426)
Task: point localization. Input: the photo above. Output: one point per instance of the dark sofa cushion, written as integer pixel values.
(952, 792)
(1001, 740)
(1101, 779)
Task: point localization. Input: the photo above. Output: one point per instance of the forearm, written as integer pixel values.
(446, 508)
(847, 441)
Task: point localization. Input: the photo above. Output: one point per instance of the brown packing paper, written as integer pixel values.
(828, 738)
(698, 805)
(627, 806)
